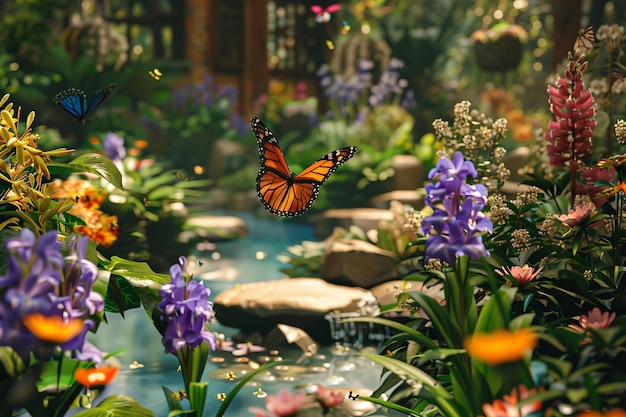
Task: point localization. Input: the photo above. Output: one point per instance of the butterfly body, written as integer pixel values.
(282, 192)
(74, 101)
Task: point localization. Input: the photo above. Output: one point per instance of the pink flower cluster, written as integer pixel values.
(569, 135)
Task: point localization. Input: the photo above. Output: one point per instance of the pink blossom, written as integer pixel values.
(284, 404)
(594, 319)
(522, 274)
(569, 135)
(509, 406)
(329, 398)
(579, 215)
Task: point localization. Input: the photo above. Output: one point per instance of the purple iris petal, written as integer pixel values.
(39, 280)
(186, 310)
(114, 147)
(455, 227)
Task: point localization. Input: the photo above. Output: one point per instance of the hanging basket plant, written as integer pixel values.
(500, 48)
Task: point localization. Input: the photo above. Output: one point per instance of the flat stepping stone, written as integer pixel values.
(258, 307)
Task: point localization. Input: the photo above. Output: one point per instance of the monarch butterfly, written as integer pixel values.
(74, 101)
(322, 15)
(282, 192)
(585, 41)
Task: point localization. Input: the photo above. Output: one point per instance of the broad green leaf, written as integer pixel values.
(420, 380)
(121, 296)
(143, 279)
(101, 166)
(495, 313)
(172, 402)
(197, 396)
(448, 328)
(119, 405)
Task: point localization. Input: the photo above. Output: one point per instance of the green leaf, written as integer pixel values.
(143, 279)
(101, 166)
(391, 405)
(121, 296)
(119, 405)
(420, 380)
(412, 333)
(439, 354)
(172, 402)
(496, 311)
(449, 329)
(197, 396)
(233, 393)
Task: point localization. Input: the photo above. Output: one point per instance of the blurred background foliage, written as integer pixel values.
(382, 71)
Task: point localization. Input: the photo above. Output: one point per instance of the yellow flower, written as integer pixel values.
(500, 346)
(52, 328)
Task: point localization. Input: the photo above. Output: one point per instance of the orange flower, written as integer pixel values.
(500, 346)
(100, 228)
(141, 144)
(617, 412)
(52, 328)
(508, 405)
(81, 191)
(95, 377)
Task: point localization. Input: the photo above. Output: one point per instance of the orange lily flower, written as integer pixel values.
(52, 328)
(91, 377)
(500, 346)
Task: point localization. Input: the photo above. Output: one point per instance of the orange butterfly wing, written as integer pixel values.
(281, 192)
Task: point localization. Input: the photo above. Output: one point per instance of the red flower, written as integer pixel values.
(95, 377)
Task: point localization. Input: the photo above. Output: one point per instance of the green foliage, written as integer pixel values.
(118, 405)
(196, 115)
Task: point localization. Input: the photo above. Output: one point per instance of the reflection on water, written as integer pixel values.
(222, 266)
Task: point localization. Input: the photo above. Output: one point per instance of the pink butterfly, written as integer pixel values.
(322, 15)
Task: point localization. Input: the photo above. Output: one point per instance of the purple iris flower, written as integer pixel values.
(456, 170)
(187, 329)
(40, 280)
(186, 310)
(113, 145)
(456, 226)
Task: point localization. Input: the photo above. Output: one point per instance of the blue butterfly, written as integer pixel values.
(74, 101)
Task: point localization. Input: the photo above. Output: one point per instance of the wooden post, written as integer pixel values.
(567, 19)
(255, 74)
